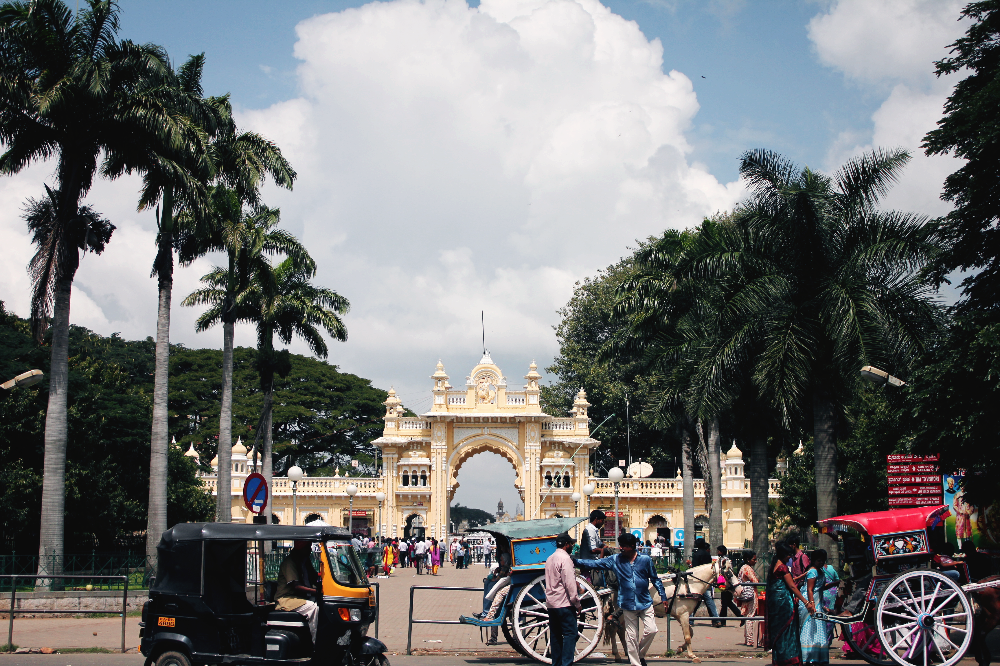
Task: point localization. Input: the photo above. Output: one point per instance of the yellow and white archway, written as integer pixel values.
(422, 455)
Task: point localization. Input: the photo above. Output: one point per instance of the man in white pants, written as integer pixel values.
(296, 583)
(635, 573)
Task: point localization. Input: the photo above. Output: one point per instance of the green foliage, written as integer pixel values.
(953, 399)
(476, 517)
(323, 418)
(969, 130)
(587, 326)
(877, 427)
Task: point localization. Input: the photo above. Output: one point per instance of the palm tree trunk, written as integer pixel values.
(266, 462)
(224, 482)
(714, 477)
(159, 440)
(825, 452)
(52, 534)
(701, 455)
(687, 470)
(758, 498)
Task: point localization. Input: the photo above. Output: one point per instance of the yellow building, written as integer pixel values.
(550, 457)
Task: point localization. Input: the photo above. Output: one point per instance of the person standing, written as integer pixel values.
(748, 603)
(467, 547)
(820, 587)
(782, 624)
(459, 555)
(591, 545)
(420, 555)
(727, 592)
(489, 553)
(703, 555)
(562, 600)
(635, 573)
(799, 562)
(435, 554)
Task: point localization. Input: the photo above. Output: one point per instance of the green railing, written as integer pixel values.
(77, 569)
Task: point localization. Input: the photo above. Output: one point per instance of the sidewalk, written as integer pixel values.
(394, 596)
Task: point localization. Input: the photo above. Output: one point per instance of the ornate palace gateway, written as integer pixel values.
(550, 457)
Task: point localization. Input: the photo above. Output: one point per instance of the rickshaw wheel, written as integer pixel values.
(508, 635)
(531, 621)
(923, 619)
(172, 658)
(869, 648)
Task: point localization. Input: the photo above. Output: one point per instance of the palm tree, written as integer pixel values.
(70, 90)
(289, 306)
(248, 238)
(818, 282)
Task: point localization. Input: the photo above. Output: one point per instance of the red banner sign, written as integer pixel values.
(914, 479)
(905, 458)
(916, 501)
(915, 490)
(923, 468)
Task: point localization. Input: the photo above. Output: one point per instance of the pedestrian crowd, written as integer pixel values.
(384, 557)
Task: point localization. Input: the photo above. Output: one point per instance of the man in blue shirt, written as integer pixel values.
(635, 572)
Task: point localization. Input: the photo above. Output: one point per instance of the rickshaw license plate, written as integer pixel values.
(166, 622)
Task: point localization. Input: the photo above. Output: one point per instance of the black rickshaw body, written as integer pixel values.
(210, 602)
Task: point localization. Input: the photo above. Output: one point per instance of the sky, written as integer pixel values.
(462, 160)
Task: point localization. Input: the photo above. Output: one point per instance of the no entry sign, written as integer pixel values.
(255, 493)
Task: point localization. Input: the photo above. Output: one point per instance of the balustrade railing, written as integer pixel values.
(559, 424)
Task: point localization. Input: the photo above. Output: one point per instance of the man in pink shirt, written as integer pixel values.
(562, 599)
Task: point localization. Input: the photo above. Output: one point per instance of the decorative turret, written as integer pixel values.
(393, 410)
(734, 463)
(782, 465)
(579, 410)
(531, 390)
(440, 387)
(191, 453)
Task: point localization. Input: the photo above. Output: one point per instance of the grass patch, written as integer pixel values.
(89, 650)
(131, 613)
(7, 647)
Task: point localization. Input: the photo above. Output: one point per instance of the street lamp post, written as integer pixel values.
(880, 377)
(588, 490)
(29, 378)
(294, 475)
(380, 496)
(615, 475)
(576, 513)
(352, 490)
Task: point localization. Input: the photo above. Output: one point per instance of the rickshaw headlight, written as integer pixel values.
(355, 615)
(349, 614)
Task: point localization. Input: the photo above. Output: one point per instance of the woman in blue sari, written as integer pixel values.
(782, 624)
(819, 587)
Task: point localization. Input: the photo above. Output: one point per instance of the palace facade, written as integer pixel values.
(550, 457)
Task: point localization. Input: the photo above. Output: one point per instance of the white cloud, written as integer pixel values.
(456, 159)
(889, 48)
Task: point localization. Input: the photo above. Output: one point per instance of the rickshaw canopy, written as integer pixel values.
(887, 522)
(529, 529)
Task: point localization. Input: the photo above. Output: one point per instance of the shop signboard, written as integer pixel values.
(914, 480)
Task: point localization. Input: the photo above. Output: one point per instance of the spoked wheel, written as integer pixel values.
(508, 634)
(531, 621)
(924, 619)
(863, 639)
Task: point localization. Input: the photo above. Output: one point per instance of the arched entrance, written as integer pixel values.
(656, 526)
(414, 527)
(422, 455)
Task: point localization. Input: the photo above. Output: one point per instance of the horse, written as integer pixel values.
(614, 630)
(684, 591)
(987, 617)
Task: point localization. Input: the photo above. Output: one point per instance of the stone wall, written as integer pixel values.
(109, 601)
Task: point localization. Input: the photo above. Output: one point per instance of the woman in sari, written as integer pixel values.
(748, 604)
(819, 587)
(782, 627)
(435, 556)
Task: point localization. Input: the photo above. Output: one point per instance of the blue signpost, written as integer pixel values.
(255, 493)
(678, 535)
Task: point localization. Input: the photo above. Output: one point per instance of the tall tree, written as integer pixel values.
(819, 283)
(247, 238)
(969, 130)
(70, 89)
(290, 306)
(242, 161)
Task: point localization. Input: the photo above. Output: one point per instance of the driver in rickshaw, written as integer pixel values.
(297, 583)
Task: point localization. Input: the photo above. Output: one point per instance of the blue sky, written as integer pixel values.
(455, 159)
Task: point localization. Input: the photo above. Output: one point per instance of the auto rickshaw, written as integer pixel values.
(210, 602)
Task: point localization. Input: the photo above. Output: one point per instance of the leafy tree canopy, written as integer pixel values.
(476, 517)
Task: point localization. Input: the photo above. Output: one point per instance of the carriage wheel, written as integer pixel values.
(508, 634)
(531, 621)
(924, 619)
(865, 642)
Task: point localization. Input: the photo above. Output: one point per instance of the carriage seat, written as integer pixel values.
(478, 622)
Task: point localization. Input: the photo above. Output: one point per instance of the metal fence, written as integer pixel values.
(411, 621)
(120, 581)
(132, 567)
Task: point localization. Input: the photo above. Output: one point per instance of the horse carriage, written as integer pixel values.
(517, 598)
(910, 604)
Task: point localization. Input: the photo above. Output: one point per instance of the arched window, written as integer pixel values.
(565, 480)
(423, 478)
(548, 479)
(406, 477)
